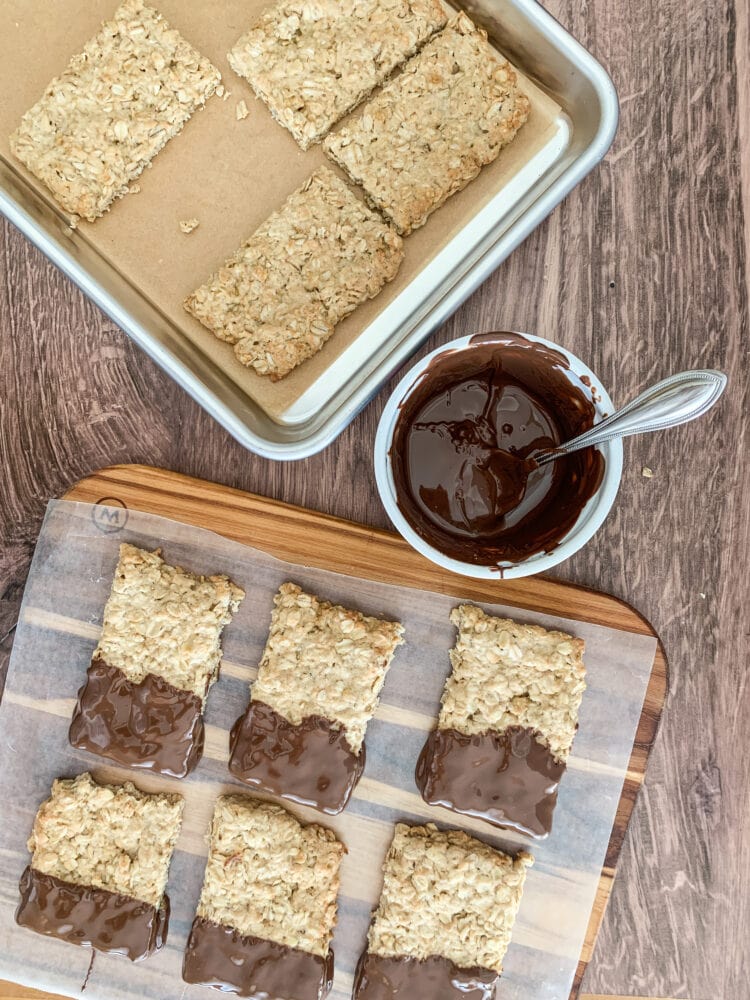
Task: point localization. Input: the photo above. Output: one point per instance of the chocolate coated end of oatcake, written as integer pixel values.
(507, 722)
(318, 685)
(158, 656)
(98, 873)
(268, 906)
(444, 919)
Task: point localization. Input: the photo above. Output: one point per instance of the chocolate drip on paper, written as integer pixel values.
(90, 969)
(310, 763)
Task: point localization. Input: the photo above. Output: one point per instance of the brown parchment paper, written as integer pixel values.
(229, 174)
(58, 628)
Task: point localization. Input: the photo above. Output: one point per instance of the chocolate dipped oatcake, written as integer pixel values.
(506, 726)
(302, 736)
(268, 906)
(98, 872)
(157, 657)
(444, 920)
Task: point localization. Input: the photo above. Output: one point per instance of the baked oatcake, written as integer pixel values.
(97, 125)
(279, 297)
(312, 61)
(302, 736)
(268, 906)
(445, 916)
(506, 726)
(157, 657)
(430, 131)
(99, 866)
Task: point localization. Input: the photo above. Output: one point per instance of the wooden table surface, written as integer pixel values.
(642, 272)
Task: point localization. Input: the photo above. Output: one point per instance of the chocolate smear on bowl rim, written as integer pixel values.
(463, 446)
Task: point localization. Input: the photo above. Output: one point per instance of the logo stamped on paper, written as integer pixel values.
(109, 515)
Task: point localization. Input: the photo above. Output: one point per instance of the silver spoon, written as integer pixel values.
(674, 401)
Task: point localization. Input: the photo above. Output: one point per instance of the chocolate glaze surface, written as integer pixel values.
(463, 447)
(509, 779)
(92, 918)
(434, 978)
(152, 725)
(221, 957)
(311, 763)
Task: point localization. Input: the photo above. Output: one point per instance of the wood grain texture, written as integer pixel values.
(642, 272)
(743, 114)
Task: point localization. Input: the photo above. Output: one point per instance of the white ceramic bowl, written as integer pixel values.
(590, 518)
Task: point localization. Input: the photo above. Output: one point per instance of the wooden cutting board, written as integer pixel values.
(299, 535)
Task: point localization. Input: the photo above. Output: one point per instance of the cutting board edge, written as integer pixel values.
(121, 475)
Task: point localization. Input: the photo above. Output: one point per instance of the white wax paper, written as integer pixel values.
(59, 623)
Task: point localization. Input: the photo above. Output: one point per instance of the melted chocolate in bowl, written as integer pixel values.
(463, 447)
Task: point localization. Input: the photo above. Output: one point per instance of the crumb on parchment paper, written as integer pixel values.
(241, 111)
(188, 225)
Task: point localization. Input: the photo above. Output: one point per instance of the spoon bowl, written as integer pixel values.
(673, 401)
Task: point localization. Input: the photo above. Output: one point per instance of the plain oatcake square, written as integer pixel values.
(433, 127)
(323, 659)
(446, 893)
(312, 61)
(507, 674)
(279, 297)
(269, 876)
(97, 125)
(112, 837)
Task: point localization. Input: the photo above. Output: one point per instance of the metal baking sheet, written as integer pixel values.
(576, 111)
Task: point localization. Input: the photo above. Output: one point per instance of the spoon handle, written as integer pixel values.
(674, 401)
